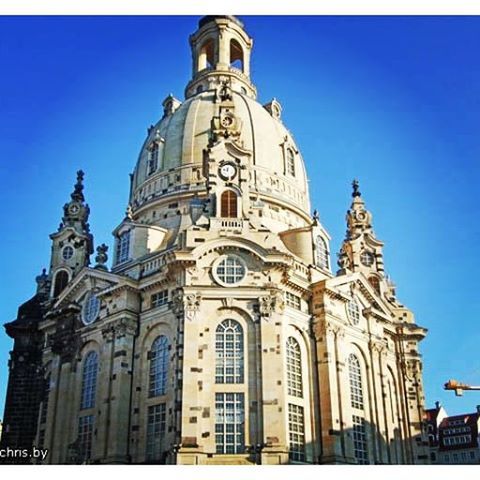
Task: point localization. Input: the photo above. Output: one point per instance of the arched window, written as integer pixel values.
(123, 247)
(206, 57)
(294, 368)
(228, 202)
(321, 253)
(61, 281)
(153, 158)
(158, 367)
(290, 162)
(229, 359)
(375, 283)
(236, 55)
(89, 380)
(355, 377)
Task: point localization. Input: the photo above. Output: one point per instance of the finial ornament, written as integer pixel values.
(77, 194)
(129, 212)
(355, 186)
(101, 257)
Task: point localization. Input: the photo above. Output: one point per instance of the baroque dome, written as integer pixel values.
(185, 134)
(175, 162)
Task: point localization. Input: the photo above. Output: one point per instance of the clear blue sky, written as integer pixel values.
(393, 101)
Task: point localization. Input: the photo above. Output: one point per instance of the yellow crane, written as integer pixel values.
(458, 387)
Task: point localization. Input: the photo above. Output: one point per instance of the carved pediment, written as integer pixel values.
(87, 280)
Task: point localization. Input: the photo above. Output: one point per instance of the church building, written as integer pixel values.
(223, 333)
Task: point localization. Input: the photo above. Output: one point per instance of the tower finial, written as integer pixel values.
(355, 186)
(77, 194)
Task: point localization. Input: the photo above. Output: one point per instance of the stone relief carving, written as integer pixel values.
(187, 304)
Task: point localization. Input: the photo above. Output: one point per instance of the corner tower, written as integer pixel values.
(72, 244)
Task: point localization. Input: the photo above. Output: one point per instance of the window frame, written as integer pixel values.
(158, 369)
(224, 429)
(218, 276)
(322, 255)
(355, 381)
(229, 362)
(229, 204)
(122, 251)
(88, 392)
(293, 360)
(290, 162)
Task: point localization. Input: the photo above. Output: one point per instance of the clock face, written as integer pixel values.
(228, 171)
(227, 122)
(74, 209)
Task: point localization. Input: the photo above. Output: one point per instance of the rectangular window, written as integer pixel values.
(447, 459)
(293, 301)
(472, 455)
(158, 299)
(229, 422)
(85, 433)
(156, 428)
(455, 458)
(123, 247)
(296, 433)
(360, 440)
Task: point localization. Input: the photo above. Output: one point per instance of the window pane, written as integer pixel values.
(229, 361)
(158, 366)
(360, 440)
(294, 368)
(85, 432)
(156, 428)
(89, 381)
(355, 377)
(229, 428)
(296, 433)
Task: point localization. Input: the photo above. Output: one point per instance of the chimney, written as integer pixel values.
(438, 405)
(478, 409)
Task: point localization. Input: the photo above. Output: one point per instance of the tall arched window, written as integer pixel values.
(228, 202)
(290, 162)
(321, 253)
(153, 158)
(158, 367)
(89, 380)
(294, 368)
(61, 281)
(123, 247)
(355, 376)
(229, 359)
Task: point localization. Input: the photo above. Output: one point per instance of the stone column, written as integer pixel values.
(274, 407)
(118, 412)
(333, 442)
(190, 452)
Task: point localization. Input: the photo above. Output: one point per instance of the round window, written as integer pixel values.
(91, 309)
(67, 252)
(229, 270)
(353, 311)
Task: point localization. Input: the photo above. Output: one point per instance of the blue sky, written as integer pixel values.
(394, 101)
